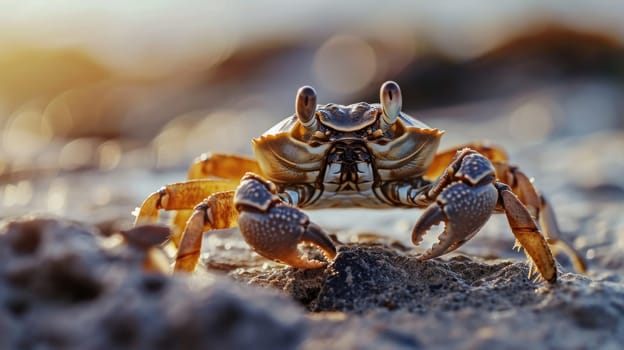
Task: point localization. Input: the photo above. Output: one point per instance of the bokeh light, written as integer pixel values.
(19, 194)
(345, 64)
(109, 154)
(57, 196)
(26, 133)
(532, 121)
(77, 154)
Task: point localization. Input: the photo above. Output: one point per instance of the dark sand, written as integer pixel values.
(63, 287)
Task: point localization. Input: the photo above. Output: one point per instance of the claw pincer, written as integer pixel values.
(464, 203)
(273, 228)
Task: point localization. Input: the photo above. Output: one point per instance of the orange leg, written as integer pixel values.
(527, 233)
(212, 165)
(442, 160)
(215, 212)
(179, 196)
(523, 188)
(225, 166)
(212, 179)
(540, 210)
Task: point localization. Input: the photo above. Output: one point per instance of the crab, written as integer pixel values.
(360, 155)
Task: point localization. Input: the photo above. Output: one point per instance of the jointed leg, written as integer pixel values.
(214, 212)
(213, 165)
(540, 210)
(527, 234)
(181, 195)
(224, 166)
(442, 160)
(272, 228)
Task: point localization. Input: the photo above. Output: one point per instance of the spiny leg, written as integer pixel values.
(527, 233)
(464, 197)
(540, 210)
(213, 165)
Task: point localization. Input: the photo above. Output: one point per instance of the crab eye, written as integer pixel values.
(305, 106)
(391, 101)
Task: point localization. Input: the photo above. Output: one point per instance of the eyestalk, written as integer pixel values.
(305, 107)
(391, 102)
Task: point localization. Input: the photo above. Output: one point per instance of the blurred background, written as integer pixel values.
(101, 103)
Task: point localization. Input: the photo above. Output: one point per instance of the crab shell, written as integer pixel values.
(294, 151)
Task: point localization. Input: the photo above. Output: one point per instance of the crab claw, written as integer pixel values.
(274, 229)
(463, 209)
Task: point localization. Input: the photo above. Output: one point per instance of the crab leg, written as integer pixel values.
(442, 160)
(225, 166)
(464, 198)
(215, 212)
(527, 233)
(213, 165)
(180, 196)
(540, 210)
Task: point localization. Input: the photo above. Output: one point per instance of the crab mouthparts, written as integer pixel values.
(348, 161)
(347, 152)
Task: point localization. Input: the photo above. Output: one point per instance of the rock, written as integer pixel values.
(59, 288)
(373, 276)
